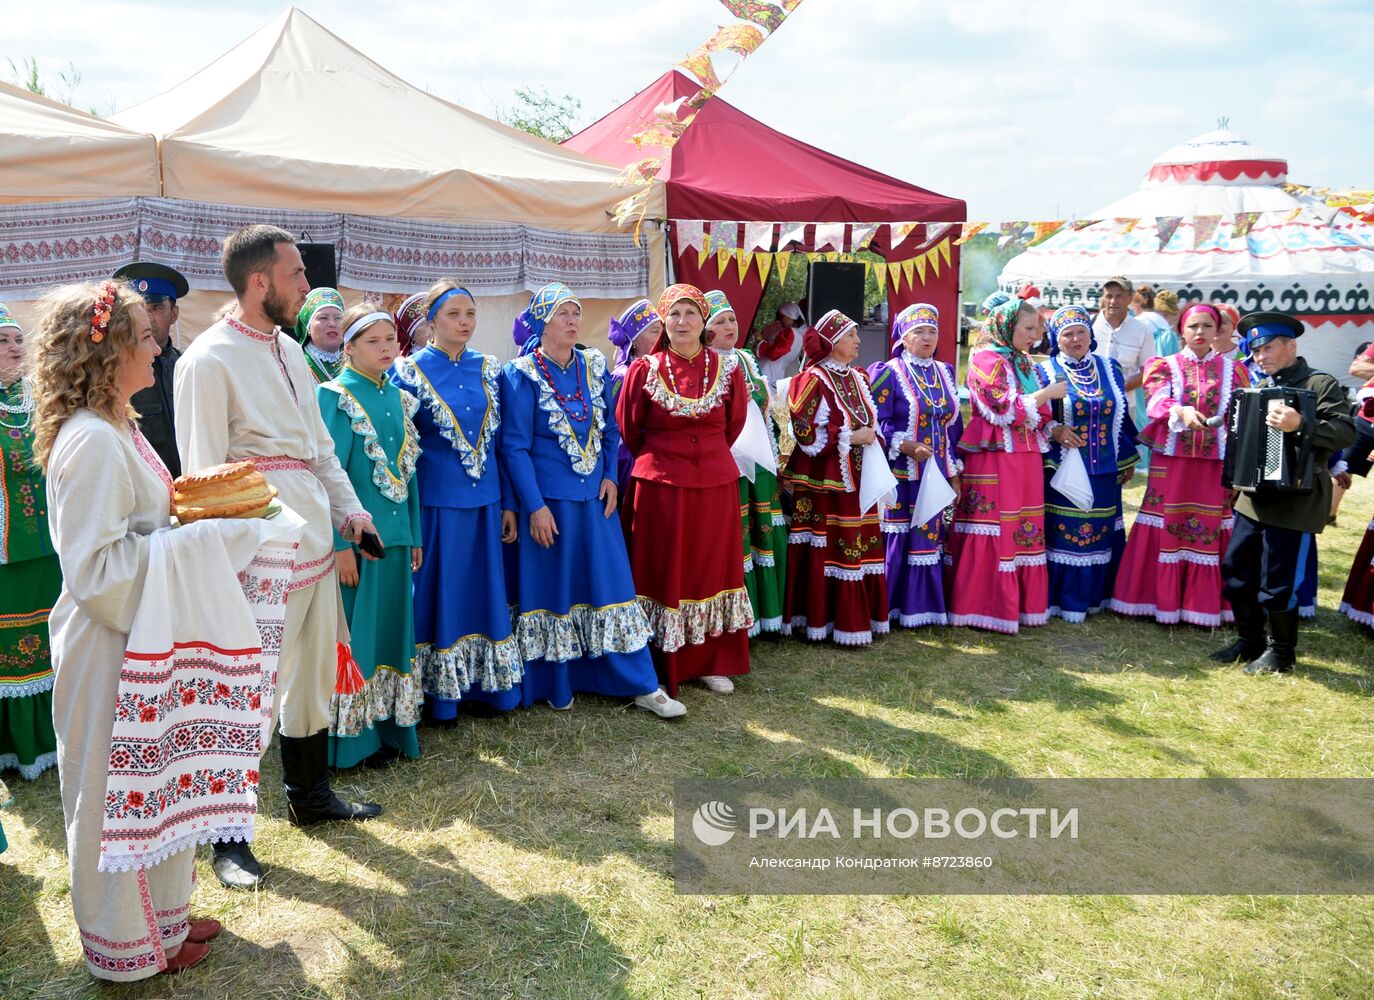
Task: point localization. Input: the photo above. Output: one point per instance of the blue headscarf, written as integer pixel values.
(529, 325)
(1065, 317)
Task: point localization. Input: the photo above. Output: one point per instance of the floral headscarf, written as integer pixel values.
(919, 314)
(1065, 317)
(7, 318)
(529, 325)
(1002, 326)
(671, 296)
(626, 328)
(317, 299)
(409, 314)
(720, 305)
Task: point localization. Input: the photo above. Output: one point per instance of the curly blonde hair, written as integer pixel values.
(71, 371)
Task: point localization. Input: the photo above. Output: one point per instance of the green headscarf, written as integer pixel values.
(319, 298)
(1002, 325)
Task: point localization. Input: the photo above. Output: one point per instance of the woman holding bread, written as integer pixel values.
(370, 422)
(108, 492)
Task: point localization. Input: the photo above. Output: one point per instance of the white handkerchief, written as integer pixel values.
(933, 496)
(876, 482)
(1071, 480)
(754, 447)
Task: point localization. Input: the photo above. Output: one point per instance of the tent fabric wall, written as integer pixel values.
(51, 152)
(273, 123)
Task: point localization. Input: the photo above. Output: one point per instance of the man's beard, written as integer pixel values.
(278, 310)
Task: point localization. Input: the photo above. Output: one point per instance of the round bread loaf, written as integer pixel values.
(234, 489)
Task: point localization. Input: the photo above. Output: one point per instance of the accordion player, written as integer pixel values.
(1261, 458)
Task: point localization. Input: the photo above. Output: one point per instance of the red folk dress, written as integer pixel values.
(1171, 569)
(836, 558)
(999, 579)
(678, 417)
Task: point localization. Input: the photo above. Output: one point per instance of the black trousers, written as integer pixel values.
(1264, 564)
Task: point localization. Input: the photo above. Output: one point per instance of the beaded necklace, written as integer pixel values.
(932, 392)
(1083, 377)
(847, 392)
(24, 406)
(579, 396)
(666, 370)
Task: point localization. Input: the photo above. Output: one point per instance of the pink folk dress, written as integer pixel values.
(997, 548)
(1171, 568)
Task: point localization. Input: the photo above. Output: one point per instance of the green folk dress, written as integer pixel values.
(376, 443)
(764, 528)
(30, 580)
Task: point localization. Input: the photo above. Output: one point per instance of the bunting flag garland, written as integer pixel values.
(722, 261)
(1166, 226)
(830, 234)
(1127, 225)
(691, 233)
(1083, 224)
(1041, 231)
(894, 275)
(971, 229)
(908, 270)
(765, 265)
(935, 230)
(920, 263)
(743, 258)
(944, 251)
(863, 235)
(782, 260)
(1012, 232)
(1205, 229)
(1245, 221)
(758, 236)
(756, 20)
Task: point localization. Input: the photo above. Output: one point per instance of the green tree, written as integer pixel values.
(540, 113)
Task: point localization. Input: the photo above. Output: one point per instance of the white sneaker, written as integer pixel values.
(561, 708)
(717, 683)
(661, 705)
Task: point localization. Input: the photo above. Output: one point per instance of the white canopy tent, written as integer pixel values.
(1215, 222)
(51, 152)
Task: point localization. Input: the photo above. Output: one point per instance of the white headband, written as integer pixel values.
(360, 325)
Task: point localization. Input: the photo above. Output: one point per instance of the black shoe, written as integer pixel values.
(235, 866)
(382, 758)
(305, 771)
(1249, 642)
(1283, 644)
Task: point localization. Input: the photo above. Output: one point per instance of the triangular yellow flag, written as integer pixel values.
(921, 268)
(702, 254)
(909, 269)
(783, 259)
(765, 265)
(894, 274)
(743, 258)
(933, 255)
(722, 262)
(944, 250)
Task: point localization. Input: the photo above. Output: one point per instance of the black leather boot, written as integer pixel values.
(235, 866)
(305, 771)
(1249, 636)
(1283, 644)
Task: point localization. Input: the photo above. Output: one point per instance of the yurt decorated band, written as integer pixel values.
(1268, 551)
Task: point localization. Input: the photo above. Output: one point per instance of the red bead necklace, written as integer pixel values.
(578, 397)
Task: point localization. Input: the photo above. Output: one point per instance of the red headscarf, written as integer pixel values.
(820, 339)
(409, 314)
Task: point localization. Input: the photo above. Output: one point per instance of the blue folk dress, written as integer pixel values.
(465, 647)
(580, 626)
(1083, 548)
(375, 441)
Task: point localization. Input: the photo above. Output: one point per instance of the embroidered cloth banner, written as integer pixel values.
(53, 243)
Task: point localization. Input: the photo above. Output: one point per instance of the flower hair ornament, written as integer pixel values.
(100, 312)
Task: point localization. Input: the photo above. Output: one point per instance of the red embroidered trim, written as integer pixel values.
(145, 896)
(279, 463)
(248, 331)
(361, 516)
(108, 963)
(296, 585)
(151, 458)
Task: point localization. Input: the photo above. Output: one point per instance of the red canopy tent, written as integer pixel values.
(730, 167)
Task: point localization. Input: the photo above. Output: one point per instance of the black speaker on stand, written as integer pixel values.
(321, 264)
(835, 285)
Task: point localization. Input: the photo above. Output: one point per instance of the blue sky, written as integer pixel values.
(1029, 110)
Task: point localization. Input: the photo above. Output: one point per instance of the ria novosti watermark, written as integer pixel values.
(1253, 836)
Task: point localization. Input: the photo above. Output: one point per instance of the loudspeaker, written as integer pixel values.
(835, 285)
(321, 267)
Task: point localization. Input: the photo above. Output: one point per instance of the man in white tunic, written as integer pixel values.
(243, 391)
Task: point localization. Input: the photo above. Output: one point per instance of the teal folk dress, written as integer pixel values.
(370, 422)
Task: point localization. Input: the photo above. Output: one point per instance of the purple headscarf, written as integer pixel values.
(626, 327)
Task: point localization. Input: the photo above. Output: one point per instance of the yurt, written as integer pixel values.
(1213, 219)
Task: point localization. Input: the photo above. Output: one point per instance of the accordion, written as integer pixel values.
(1261, 459)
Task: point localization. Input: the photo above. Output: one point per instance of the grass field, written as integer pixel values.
(530, 856)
